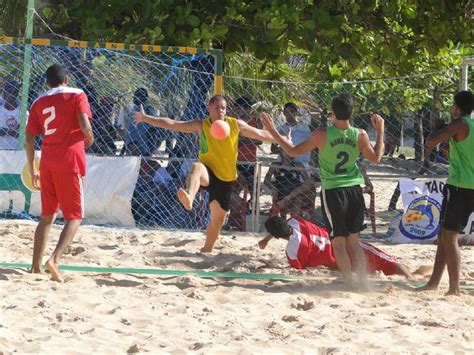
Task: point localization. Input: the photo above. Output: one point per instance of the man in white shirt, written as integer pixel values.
(298, 131)
(10, 116)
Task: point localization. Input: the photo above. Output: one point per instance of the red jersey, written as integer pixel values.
(54, 114)
(310, 246)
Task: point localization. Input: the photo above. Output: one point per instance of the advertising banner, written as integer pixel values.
(420, 220)
(108, 188)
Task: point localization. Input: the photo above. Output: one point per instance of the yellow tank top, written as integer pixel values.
(220, 155)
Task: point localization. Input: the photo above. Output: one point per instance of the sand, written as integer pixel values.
(116, 313)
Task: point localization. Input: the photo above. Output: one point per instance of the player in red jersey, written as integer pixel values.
(310, 246)
(62, 115)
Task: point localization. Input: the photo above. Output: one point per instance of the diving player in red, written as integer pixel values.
(310, 246)
(62, 115)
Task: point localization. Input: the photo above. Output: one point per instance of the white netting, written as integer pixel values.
(179, 85)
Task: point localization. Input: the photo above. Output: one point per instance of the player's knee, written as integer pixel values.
(338, 244)
(197, 167)
(49, 219)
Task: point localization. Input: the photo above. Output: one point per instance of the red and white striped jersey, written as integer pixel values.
(310, 246)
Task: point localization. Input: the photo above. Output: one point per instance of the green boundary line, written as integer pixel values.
(162, 272)
(205, 274)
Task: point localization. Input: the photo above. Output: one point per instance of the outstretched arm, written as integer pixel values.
(316, 140)
(263, 243)
(456, 129)
(167, 123)
(373, 153)
(254, 133)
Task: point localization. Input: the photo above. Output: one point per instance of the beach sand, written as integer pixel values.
(119, 313)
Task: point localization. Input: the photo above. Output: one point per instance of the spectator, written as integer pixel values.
(392, 135)
(10, 116)
(141, 139)
(297, 131)
(142, 200)
(104, 130)
(422, 129)
(283, 177)
(82, 73)
(247, 148)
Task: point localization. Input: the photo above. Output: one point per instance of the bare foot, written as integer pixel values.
(427, 287)
(424, 270)
(206, 250)
(36, 270)
(364, 286)
(54, 270)
(453, 292)
(184, 199)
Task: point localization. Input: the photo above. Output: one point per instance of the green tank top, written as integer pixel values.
(338, 159)
(461, 159)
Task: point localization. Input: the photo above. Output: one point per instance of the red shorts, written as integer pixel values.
(62, 190)
(378, 260)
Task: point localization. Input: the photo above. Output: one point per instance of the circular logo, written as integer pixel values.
(26, 177)
(421, 220)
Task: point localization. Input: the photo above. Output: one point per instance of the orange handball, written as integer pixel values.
(220, 129)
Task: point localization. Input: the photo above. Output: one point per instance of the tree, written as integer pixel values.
(339, 39)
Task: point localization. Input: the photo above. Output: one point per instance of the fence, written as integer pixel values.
(178, 82)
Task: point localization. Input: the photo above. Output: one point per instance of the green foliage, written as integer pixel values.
(341, 39)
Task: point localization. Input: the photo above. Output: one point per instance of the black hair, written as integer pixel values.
(278, 227)
(56, 75)
(465, 101)
(290, 105)
(341, 106)
(243, 103)
(217, 98)
(140, 96)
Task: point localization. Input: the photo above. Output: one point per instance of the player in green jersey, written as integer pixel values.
(341, 194)
(458, 199)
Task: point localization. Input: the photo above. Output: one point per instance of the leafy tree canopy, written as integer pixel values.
(338, 39)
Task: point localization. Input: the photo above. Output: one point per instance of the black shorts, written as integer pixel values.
(219, 190)
(457, 206)
(343, 210)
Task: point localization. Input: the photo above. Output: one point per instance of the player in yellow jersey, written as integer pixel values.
(217, 166)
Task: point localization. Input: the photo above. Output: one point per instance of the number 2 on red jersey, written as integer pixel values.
(52, 115)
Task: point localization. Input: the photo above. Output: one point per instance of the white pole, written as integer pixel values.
(463, 83)
(464, 70)
(256, 198)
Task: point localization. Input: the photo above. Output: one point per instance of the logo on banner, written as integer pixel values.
(421, 220)
(19, 182)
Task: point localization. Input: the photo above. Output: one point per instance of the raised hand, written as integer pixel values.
(139, 116)
(378, 122)
(267, 122)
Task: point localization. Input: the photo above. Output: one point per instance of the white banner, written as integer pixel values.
(108, 188)
(419, 222)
